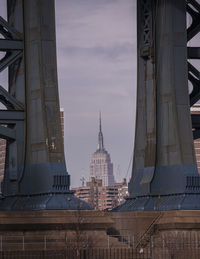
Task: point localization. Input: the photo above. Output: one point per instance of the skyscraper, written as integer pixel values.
(2, 159)
(101, 166)
(195, 110)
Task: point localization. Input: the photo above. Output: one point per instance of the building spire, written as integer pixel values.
(100, 137)
(100, 121)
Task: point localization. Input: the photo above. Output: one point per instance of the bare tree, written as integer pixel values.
(79, 239)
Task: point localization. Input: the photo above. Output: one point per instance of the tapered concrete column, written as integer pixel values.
(145, 137)
(43, 181)
(164, 159)
(44, 147)
(175, 145)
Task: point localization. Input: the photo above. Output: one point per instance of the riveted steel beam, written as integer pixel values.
(193, 52)
(12, 120)
(195, 4)
(193, 70)
(194, 78)
(196, 120)
(8, 45)
(11, 115)
(193, 9)
(195, 26)
(9, 101)
(12, 33)
(195, 94)
(9, 59)
(196, 134)
(7, 133)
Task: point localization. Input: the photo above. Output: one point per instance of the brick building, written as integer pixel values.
(101, 192)
(89, 193)
(102, 197)
(108, 197)
(2, 159)
(122, 191)
(196, 110)
(62, 121)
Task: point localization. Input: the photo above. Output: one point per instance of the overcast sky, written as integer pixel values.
(96, 48)
(96, 54)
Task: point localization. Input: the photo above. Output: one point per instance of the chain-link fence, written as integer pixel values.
(105, 253)
(95, 253)
(162, 246)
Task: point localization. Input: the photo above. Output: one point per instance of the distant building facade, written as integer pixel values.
(101, 192)
(108, 197)
(102, 197)
(101, 166)
(2, 159)
(196, 110)
(122, 191)
(62, 121)
(89, 193)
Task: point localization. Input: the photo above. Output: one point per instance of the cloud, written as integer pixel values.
(96, 53)
(3, 8)
(113, 51)
(96, 23)
(97, 71)
(94, 76)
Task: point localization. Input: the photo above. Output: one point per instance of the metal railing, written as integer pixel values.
(128, 240)
(163, 246)
(23, 243)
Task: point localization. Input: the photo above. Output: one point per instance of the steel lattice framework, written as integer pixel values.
(35, 172)
(193, 9)
(165, 174)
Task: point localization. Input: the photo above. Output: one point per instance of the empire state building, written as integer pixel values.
(101, 166)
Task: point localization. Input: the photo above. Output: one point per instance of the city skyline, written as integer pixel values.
(96, 56)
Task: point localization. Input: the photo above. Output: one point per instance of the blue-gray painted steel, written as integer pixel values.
(35, 174)
(165, 175)
(184, 201)
(52, 201)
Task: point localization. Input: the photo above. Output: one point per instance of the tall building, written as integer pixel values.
(122, 191)
(101, 166)
(108, 197)
(2, 159)
(101, 192)
(89, 193)
(196, 110)
(102, 197)
(62, 121)
(98, 196)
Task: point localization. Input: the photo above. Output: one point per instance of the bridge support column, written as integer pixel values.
(164, 175)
